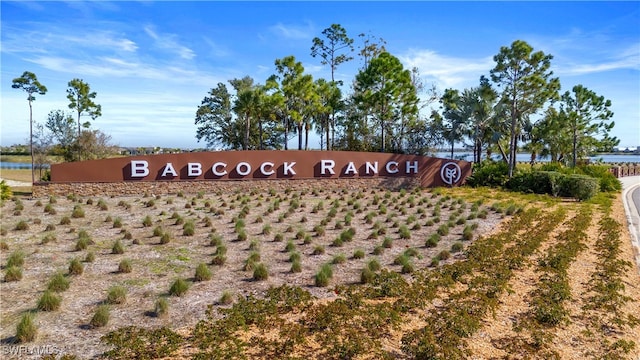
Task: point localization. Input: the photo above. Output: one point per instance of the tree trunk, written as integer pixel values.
(299, 126)
(246, 132)
(260, 131)
(33, 177)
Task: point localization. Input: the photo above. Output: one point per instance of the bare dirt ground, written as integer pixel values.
(156, 266)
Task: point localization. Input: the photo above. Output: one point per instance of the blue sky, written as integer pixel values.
(151, 63)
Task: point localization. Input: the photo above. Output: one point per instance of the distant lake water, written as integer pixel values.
(12, 165)
(524, 157)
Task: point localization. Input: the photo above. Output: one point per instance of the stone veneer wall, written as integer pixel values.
(171, 187)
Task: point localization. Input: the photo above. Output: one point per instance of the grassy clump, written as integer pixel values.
(12, 273)
(260, 272)
(125, 266)
(49, 301)
(116, 295)
(323, 276)
(58, 283)
(75, 267)
(100, 317)
(161, 307)
(226, 298)
(26, 330)
(16, 258)
(117, 248)
(22, 225)
(203, 273)
(90, 257)
(147, 222)
(179, 287)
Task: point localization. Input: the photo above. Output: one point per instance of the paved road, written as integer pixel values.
(631, 199)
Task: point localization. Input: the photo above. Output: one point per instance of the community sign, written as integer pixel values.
(264, 165)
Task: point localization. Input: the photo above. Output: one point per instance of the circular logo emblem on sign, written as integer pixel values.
(450, 173)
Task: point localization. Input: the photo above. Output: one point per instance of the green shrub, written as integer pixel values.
(77, 212)
(339, 259)
(147, 222)
(580, 187)
(90, 257)
(161, 307)
(323, 276)
(189, 228)
(404, 232)
(489, 173)
(296, 266)
(367, 276)
(100, 317)
(49, 301)
(203, 273)
(374, 265)
(58, 283)
(358, 254)
(318, 250)
(117, 223)
(22, 226)
(16, 259)
(12, 273)
(226, 298)
(26, 330)
(157, 231)
(117, 248)
(432, 240)
(608, 182)
(125, 266)
(75, 267)
(165, 238)
(116, 295)
(179, 287)
(260, 272)
(5, 191)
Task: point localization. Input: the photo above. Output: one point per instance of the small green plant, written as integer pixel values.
(90, 257)
(318, 250)
(58, 282)
(296, 266)
(203, 273)
(457, 247)
(77, 212)
(22, 226)
(125, 266)
(260, 272)
(75, 267)
(100, 317)
(116, 295)
(147, 222)
(12, 273)
(117, 223)
(323, 276)
(226, 298)
(65, 220)
(157, 231)
(16, 259)
(387, 243)
(189, 228)
(165, 238)
(358, 254)
(179, 287)
(49, 301)
(339, 259)
(26, 330)
(117, 248)
(161, 308)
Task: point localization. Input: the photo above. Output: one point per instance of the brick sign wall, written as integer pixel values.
(263, 165)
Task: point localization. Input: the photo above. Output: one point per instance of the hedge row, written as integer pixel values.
(579, 183)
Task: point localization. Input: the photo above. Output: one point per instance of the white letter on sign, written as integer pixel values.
(351, 169)
(215, 167)
(195, 169)
(139, 168)
(327, 165)
(411, 166)
(246, 166)
(288, 168)
(394, 164)
(371, 168)
(168, 169)
(263, 168)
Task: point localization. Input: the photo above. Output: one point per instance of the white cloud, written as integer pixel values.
(447, 71)
(168, 42)
(628, 58)
(293, 31)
